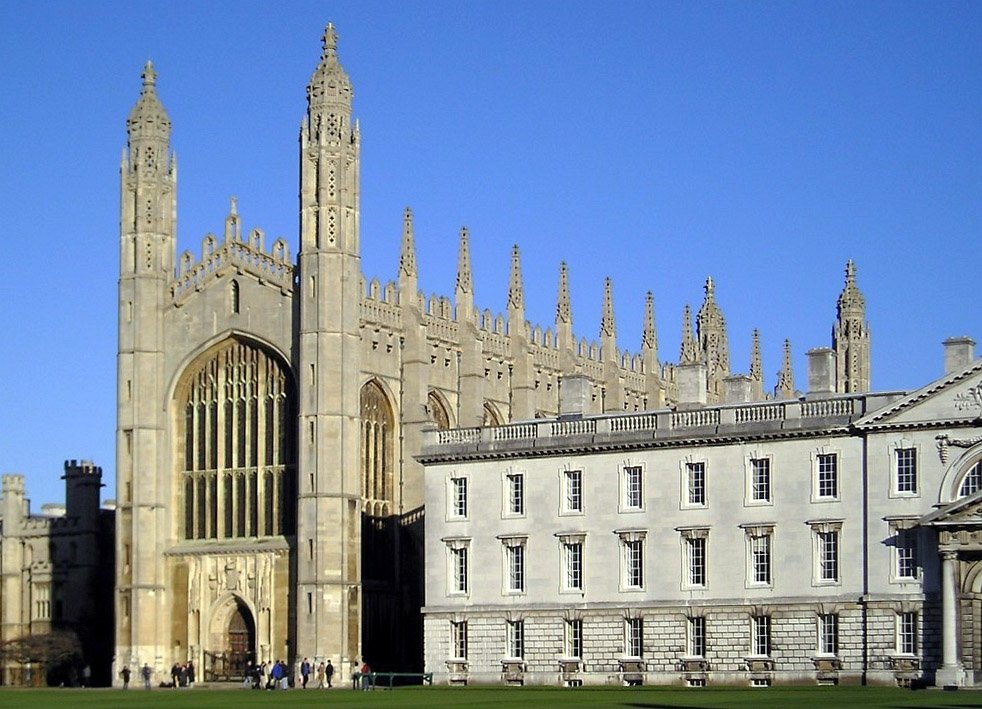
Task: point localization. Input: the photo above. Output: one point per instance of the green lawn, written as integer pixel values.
(492, 698)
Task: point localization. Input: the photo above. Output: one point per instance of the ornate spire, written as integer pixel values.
(756, 371)
(785, 378)
(649, 340)
(464, 279)
(607, 311)
(233, 229)
(850, 338)
(407, 254)
(851, 302)
(147, 118)
(689, 354)
(516, 291)
(329, 87)
(564, 310)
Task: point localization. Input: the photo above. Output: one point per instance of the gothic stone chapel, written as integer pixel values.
(269, 409)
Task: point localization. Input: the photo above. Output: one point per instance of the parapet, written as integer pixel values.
(81, 469)
(13, 483)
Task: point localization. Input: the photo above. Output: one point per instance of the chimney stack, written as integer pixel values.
(958, 353)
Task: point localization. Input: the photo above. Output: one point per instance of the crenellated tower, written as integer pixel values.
(850, 338)
(328, 601)
(148, 183)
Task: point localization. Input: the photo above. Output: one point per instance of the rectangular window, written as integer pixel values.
(907, 470)
(633, 563)
(573, 561)
(573, 638)
(516, 494)
(761, 629)
(458, 639)
(760, 559)
(907, 634)
(906, 554)
(696, 552)
(828, 634)
(828, 475)
(459, 497)
(696, 639)
(828, 556)
(516, 567)
(760, 480)
(516, 639)
(632, 487)
(695, 474)
(573, 490)
(633, 637)
(460, 570)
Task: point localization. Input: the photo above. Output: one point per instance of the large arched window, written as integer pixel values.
(972, 482)
(377, 423)
(237, 431)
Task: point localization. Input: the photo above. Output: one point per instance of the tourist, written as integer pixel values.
(329, 671)
(320, 676)
(366, 677)
(146, 676)
(126, 677)
(304, 673)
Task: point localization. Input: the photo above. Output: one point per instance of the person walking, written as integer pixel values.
(190, 673)
(304, 673)
(320, 676)
(126, 677)
(329, 672)
(146, 676)
(366, 677)
(274, 675)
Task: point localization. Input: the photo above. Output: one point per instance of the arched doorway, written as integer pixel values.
(233, 644)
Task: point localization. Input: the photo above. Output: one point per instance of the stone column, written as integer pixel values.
(951, 673)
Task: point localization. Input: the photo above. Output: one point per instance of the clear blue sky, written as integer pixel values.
(761, 143)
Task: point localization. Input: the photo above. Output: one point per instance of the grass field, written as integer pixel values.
(501, 697)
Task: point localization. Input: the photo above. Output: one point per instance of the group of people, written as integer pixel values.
(182, 675)
(276, 675)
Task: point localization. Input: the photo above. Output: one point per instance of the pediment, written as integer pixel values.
(955, 398)
(964, 512)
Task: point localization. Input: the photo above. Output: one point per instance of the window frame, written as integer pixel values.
(458, 567)
(632, 495)
(567, 478)
(457, 498)
(907, 471)
(515, 639)
(695, 636)
(694, 485)
(752, 500)
(572, 568)
(827, 634)
(820, 490)
(760, 635)
(632, 572)
(573, 638)
(907, 622)
(458, 640)
(634, 637)
(826, 552)
(513, 494)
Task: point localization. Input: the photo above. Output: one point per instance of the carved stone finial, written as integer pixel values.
(407, 254)
(649, 339)
(755, 367)
(233, 206)
(464, 277)
(516, 291)
(688, 354)
(607, 311)
(330, 41)
(149, 76)
(564, 309)
(785, 378)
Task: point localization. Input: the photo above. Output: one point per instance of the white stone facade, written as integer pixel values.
(853, 496)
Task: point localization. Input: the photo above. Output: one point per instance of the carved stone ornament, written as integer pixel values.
(971, 399)
(944, 442)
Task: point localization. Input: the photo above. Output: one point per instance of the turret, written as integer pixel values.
(850, 338)
(14, 508)
(83, 481)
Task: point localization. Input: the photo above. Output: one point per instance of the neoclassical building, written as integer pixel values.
(270, 406)
(833, 537)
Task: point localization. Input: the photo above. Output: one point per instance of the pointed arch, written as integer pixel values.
(439, 412)
(235, 430)
(492, 417)
(377, 425)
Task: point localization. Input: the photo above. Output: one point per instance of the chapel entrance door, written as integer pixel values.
(241, 641)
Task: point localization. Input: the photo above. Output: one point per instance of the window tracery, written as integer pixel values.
(238, 469)
(376, 450)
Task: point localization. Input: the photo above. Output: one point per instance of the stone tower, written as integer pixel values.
(148, 180)
(850, 338)
(329, 504)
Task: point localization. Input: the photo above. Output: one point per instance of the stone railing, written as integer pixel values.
(655, 424)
